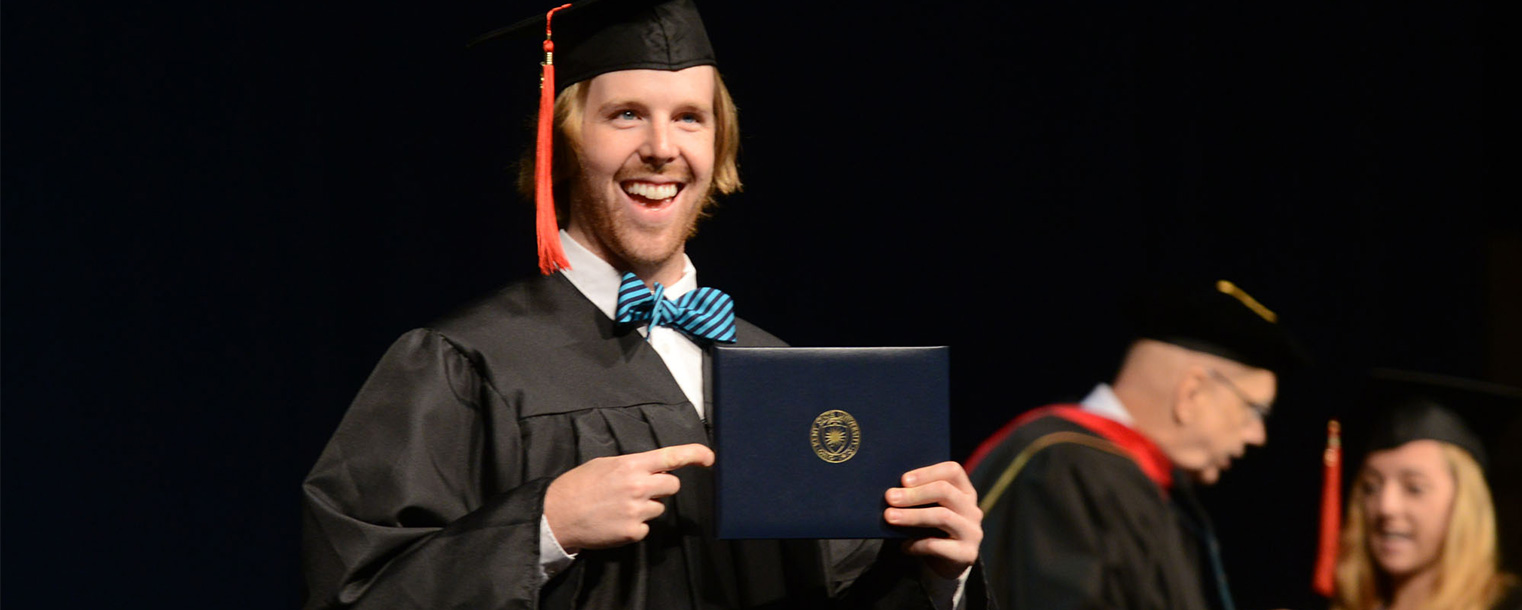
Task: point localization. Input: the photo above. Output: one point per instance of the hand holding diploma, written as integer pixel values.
(954, 511)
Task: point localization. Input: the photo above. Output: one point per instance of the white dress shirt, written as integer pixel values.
(1103, 401)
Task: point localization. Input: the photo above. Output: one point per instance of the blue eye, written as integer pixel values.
(627, 115)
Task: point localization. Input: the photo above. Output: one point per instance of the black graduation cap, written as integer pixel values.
(593, 37)
(1216, 318)
(1410, 406)
(582, 40)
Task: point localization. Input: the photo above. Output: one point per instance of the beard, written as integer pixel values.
(602, 212)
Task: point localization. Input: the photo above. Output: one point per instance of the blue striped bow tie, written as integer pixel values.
(705, 314)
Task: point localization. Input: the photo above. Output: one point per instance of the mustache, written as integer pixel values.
(666, 173)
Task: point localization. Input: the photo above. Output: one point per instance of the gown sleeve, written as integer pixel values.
(415, 501)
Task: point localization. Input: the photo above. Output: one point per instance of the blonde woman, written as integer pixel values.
(1421, 527)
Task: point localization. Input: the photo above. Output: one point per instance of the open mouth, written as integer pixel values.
(1390, 542)
(651, 193)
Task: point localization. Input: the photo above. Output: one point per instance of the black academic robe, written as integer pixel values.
(430, 493)
(1081, 527)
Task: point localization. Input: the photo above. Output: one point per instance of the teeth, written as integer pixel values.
(656, 192)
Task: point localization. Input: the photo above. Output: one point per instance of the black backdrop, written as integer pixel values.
(217, 216)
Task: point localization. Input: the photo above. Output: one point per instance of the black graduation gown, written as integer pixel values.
(430, 493)
(1081, 527)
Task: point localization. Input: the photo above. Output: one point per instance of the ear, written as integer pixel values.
(1186, 396)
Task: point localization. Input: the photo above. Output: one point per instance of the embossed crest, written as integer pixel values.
(835, 436)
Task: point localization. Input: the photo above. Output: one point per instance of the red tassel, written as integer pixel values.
(551, 257)
(1331, 512)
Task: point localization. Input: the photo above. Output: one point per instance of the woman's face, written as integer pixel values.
(1408, 497)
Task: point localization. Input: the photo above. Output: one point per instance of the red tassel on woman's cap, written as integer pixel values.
(551, 257)
(1331, 512)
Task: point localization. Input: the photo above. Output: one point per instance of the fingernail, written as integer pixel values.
(895, 496)
(910, 479)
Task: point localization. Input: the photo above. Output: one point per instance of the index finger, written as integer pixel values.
(667, 459)
(951, 472)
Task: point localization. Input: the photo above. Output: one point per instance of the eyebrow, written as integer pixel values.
(620, 103)
(609, 105)
(1404, 472)
(1413, 474)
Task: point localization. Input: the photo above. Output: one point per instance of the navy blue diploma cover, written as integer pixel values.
(807, 440)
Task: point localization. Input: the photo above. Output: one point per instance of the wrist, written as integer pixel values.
(558, 530)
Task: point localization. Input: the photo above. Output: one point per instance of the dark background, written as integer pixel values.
(217, 216)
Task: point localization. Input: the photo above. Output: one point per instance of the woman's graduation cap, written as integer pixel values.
(1417, 406)
(583, 40)
(1484, 419)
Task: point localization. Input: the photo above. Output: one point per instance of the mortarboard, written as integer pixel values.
(585, 39)
(593, 37)
(1412, 406)
(1216, 318)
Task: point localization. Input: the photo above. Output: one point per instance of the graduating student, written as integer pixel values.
(1091, 505)
(547, 445)
(1421, 526)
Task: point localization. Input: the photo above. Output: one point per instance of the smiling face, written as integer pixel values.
(1408, 497)
(647, 158)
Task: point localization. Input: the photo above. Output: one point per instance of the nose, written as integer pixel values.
(1387, 499)
(1257, 432)
(658, 148)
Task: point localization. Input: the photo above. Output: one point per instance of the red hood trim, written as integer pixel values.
(1147, 455)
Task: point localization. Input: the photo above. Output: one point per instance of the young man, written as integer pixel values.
(547, 446)
(1090, 505)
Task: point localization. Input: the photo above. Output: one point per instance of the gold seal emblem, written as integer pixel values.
(835, 436)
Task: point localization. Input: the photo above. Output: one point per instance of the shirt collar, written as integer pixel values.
(598, 281)
(1103, 401)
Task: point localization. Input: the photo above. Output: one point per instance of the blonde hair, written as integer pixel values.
(1468, 574)
(570, 105)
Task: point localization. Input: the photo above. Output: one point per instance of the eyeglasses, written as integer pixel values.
(1258, 408)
